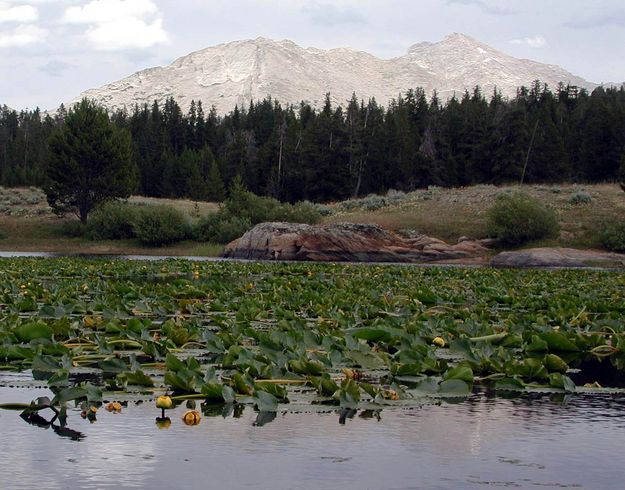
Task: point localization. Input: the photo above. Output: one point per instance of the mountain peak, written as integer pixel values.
(234, 73)
(459, 37)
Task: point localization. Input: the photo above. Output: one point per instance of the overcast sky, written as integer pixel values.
(51, 50)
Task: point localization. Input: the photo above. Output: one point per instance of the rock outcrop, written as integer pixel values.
(346, 242)
(558, 257)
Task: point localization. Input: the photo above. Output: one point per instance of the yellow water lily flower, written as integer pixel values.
(114, 407)
(165, 402)
(191, 417)
(438, 341)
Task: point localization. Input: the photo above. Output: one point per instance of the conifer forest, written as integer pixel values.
(297, 152)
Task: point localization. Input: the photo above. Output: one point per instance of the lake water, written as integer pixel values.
(537, 441)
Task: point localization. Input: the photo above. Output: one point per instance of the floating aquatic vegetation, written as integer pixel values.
(270, 335)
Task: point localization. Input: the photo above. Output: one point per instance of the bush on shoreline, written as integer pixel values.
(517, 218)
(612, 236)
(160, 225)
(112, 221)
(243, 209)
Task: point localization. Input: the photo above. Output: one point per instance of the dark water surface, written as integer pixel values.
(542, 441)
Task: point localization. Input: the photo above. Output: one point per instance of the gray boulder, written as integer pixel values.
(558, 257)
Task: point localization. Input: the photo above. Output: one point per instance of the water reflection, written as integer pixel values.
(524, 442)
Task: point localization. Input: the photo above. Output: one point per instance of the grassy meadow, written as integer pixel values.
(28, 224)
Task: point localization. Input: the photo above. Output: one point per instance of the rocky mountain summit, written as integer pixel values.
(235, 73)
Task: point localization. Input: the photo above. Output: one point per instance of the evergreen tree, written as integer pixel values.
(216, 188)
(89, 162)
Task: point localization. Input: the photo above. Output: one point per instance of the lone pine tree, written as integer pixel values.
(89, 162)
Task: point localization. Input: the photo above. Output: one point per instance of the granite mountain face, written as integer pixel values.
(235, 73)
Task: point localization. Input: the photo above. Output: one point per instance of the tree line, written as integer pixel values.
(296, 152)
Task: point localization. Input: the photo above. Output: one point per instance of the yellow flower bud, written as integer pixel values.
(191, 417)
(114, 407)
(164, 402)
(438, 341)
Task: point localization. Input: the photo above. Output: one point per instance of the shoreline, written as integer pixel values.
(483, 262)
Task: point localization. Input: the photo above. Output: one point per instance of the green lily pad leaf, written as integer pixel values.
(403, 370)
(348, 394)
(426, 297)
(241, 384)
(27, 304)
(463, 373)
(464, 348)
(427, 386)
(59, 379)
(138, 378)
(228, 395)
(558, 380)
(528, 368)
(33, 331)
(48, 311)
(174, 364)
(86, 392)
(306, 367)
(454, 387)
(135, 325)
(369, 389)
(371, 334)
(16, 353)
(114, 366)
(366, 360)
(265, 402)
(324, 385)
(275, 389)
(509, 384)
(213, 391)
(46, 364)
(557, 341)
(555, 363)
(183, 381)
(69, 394)
(537, 345)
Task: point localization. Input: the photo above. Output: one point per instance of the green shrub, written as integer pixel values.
(373, 202)
(518, 218)
(248, 205)
(322, 209)
(243, 209)
(580, 198)
(300, 212)
(160, 225)
(112, 221)
(71, 228)
(257, 209)
(220, 228)
(612, 236)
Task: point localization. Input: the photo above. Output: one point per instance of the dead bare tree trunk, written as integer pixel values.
(529, 151)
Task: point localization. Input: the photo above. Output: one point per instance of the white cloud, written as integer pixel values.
(532, 42)
(101, 11)
(22, 35)
(116, 25)
(20, 13)
(126, 33)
